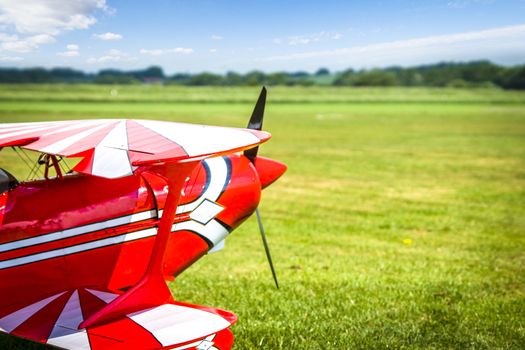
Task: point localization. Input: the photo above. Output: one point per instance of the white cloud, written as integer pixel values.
(71, 53)
(108, 36)
(49, 16)
(181, 50)
(467, 45)
(160, 52)
(213, 50)
(11, 59)
(156, 52)
(6, 37)
(14, 44)
(308, 38)
(41, 39)
(103, 59)
(111, 56)
(216, 37)
(39, 21)
(115, 52)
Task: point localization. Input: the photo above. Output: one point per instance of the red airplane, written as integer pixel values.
(85, 253)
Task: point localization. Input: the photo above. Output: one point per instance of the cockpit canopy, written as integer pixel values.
(7, 181)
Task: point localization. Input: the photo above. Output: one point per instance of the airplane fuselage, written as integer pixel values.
(61, 234)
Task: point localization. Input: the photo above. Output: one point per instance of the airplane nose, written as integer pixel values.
(268, 170)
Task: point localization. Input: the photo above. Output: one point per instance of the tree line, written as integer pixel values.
(469, 74)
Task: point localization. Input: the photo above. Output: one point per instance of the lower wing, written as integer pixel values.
(55, 320)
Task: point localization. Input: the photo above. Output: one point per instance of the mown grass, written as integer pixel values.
(399, 224)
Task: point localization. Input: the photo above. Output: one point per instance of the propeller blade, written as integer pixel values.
(266, 247)
(256, 122)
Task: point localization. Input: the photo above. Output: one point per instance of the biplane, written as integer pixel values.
(85, 252)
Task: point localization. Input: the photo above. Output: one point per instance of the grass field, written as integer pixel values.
(399, 224)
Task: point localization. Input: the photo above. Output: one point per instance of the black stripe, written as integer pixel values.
(228, 176)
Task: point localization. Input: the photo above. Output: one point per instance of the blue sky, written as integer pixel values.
(218, 36)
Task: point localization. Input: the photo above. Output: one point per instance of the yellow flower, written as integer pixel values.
(407, 241)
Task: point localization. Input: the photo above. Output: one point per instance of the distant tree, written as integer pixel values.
(254, 78)
(68, 75)
(345, 78)
(375, 77)
(37, 75)
(150, 72)
(322, 71)
(279, 78)
(513, 78)
(204, 79)
(179, 79)
(303, 82)
(458, 83)
(233, 79)
(144, 75)
(479, 71)
(299, 74)
(120, 79)
(470, 74)
(11, 75)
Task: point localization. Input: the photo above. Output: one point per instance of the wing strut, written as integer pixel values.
(151, 290)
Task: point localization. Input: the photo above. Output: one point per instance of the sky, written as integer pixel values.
(189, 36)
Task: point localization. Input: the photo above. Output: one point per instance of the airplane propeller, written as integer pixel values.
(255, 123)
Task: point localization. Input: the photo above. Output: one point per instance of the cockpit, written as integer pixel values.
(7, 181)
(41, 166)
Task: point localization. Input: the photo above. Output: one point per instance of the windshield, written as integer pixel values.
(7, 181)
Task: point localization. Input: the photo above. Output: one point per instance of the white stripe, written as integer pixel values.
(57, 147)
(117, 137)
(206, 211)
(65, 333)
(26, 131)
(111, 163)
(10, 322)
(77, 231)
(213, 231)
(78, 248)
(24, 126)
(172, 324)
(217, 247)
(76, 125)
(111, 156)
(104, 296)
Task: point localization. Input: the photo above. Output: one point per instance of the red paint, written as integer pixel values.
(38, 208)
(269, 170)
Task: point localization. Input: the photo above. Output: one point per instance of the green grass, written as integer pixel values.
(399, 224)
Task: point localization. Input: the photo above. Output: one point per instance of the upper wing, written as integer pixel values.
(113, 148)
